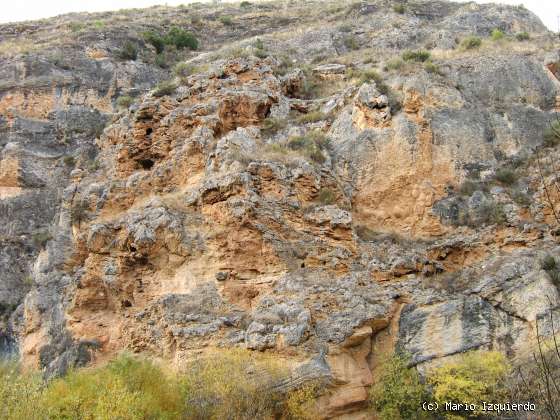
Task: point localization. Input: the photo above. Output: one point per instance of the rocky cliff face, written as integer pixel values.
(278, 195)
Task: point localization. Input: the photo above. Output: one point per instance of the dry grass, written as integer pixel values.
(12, 48)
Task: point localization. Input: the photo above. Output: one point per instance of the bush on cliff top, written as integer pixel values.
(178, 37)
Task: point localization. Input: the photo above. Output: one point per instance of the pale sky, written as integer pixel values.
(547, 10)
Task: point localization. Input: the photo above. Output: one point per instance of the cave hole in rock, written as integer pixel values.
(126, 303)
(146, 164)
(149, 131)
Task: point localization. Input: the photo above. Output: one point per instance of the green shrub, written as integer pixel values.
(165, 88)
(311, 117)
(69, 161)
(368, 76)
(126, 388)
(491, 212)
(395, 63)
(226, 20)
(259, 44)
(124, 101)
(471, 42)
(161, 60)
(468, 187)
(181, 39)
(41, 238)
(522, 36)
(178, 37)
(300, 403)
(129, 51)
(419, 56)
(506, 176)
(497, 35)
(351, 43)
(548, 263)
(232, 384)
(245, 4)
(345, 28)
(399, 8)
(260, 49)
(312, 145)
(398, 393)
(476, 376)
(156, 40)
(551, 135)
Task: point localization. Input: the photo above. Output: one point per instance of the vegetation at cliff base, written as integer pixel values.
(398, 392)
(233, 384)
(473, 377)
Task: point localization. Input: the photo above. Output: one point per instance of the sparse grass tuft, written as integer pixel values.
(182, 71)
(271, 125)
(312, 145)
(433, 68)
(326, 196)
(351, 43)
(551, 135)
(395, 63)
(399, 8)
(129, 51)
(79, 211)
(311, 117)
(165, 88)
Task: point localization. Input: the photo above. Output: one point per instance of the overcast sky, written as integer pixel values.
(18, 10)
